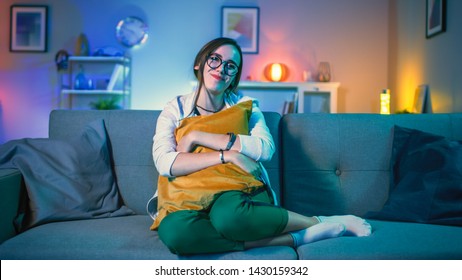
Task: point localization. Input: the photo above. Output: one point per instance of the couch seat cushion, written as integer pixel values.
(124, 238)
(391, 241)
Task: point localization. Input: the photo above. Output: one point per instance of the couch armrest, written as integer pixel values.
(11, 181)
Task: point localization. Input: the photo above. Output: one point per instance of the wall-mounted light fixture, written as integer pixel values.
(276, 72)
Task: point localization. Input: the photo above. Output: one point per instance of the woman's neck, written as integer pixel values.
(210, 102)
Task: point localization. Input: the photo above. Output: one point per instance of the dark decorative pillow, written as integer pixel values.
(65, 180)
(426, 179)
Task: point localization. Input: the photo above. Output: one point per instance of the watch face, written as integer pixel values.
(131, 31)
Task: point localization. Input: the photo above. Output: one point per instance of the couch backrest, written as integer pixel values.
(340, 163)
(130, 134)
(327, 163)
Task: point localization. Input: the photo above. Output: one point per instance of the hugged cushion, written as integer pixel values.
(197, 190)
(65, 180)
(426, 179)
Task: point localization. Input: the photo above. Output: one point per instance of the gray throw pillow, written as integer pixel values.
(426, 179)
(65, 180)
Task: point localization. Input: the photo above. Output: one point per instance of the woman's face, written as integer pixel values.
(217, 79)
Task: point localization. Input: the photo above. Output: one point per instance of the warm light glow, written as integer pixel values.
(410, 75)
(276, 72)
(385, 102)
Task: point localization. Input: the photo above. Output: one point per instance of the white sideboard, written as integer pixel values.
(310, 97)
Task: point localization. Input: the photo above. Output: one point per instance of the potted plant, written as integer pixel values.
(106, 103)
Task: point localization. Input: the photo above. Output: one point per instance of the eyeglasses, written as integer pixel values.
(214, 61)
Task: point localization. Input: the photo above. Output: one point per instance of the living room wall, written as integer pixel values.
(416, 60)
(351, 35)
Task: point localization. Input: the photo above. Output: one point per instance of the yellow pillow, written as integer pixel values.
(197, 190)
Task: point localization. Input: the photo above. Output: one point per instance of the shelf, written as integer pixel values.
(304, 90)
(121, 59)
(311, 86)
(90, 78)
(252, 84)
(92, 91)
(309, 96)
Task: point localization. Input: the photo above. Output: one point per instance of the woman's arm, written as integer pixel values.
(164, 144)
(172, 159)
(187, 163)
(245, 152)
(259, 145)
(176, 160)
(205, 139)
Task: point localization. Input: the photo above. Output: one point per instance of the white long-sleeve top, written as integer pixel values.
(258, 145)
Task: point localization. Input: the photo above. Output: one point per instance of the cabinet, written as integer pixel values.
(318, 97)
(96, 82)
(307, 97)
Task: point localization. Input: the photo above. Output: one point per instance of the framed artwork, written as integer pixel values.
(436, 17)
(242, 25)
(28, 28)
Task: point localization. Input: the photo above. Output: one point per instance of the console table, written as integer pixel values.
(308, 95)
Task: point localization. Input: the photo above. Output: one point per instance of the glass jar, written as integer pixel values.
(324, 72)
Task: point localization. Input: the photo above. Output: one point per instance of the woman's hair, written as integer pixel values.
(209, 48)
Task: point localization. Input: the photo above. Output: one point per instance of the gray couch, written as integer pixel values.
(325, 164)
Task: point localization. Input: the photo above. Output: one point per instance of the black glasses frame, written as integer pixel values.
(224, 63)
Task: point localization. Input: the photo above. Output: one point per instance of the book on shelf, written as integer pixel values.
(291, 106)
(295, 101)
(116, 82)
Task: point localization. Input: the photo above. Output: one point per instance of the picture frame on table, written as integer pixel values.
(435, 17)
(28, 28)
(422, 100)
(242, 24)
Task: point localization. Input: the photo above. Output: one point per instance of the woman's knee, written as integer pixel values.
(240, 216)
(229, 216)
(174, 233)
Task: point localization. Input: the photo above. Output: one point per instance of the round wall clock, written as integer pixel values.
(132, 31)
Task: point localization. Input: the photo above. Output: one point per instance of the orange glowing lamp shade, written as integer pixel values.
(276, 72)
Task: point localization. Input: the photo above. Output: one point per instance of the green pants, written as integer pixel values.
(233, 218)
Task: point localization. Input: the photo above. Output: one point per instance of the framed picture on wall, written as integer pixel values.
(436, 17)
(242, 25)
(28, 28)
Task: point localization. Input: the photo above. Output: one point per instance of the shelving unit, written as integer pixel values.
(310, 97)
(306, 97)
(92, 78)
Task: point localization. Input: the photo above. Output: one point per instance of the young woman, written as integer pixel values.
(214, 193)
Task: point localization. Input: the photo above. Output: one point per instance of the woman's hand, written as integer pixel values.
(244, 162)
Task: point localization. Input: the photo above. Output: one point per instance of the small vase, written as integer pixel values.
(324, 72)
(80, 81)
(82, 47)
